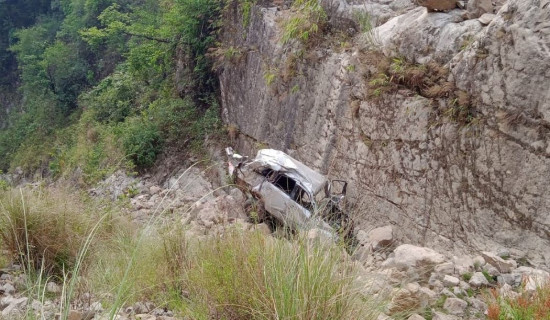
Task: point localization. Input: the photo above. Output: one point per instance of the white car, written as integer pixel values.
(282, 187)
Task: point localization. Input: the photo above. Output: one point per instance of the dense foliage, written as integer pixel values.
(105, 83)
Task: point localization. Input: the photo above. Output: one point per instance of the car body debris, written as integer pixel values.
(280, 187)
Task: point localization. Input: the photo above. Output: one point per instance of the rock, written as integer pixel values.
(116, 185)
(218, 210)
(362, 254)
(513, 279)
(464, 285)
(8, 288)
(12, 309)
(445, 268)
(492, 271)
(439, 5)
(476, 8)
(415, 316)
(6, 301)
(378, 239)
(192, 183)
(96, 307)
(458, 291)
(405, 299)
(478, 263)
(441, 316)
(428, 295)
(434, 281)
(477, 304)
(401, 34)
(142, 308)
(503, 266)
(486, 18)
(507, 292)
(53, 287)
(498, 4)
(407, 256)
(450, 281)
(478, 280)
(448, 293)
(154, 190)
(265, 229)
(523, 271)
(411, 296)
(36, 305)
(455, 306)
(533, 282)
(463, 264)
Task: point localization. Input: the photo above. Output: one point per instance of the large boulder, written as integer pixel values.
(503, 266)
(376, 239)
(407, 256)
(442, 35)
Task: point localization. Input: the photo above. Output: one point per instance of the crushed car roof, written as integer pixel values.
(277, 160)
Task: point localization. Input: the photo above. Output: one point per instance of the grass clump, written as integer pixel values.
(306, 20)
(525, 305)
(43, 230)
(467, 276)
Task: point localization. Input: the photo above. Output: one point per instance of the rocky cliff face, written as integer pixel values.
(455, 154)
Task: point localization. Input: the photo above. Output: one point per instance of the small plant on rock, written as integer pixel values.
(306, 20)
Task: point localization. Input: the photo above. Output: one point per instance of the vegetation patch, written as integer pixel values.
(430, 80)
(525, 305)
(307, 19)
(108, 84)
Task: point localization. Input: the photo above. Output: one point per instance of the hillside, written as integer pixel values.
(115, 196)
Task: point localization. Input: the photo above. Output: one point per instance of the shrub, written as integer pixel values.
(141, 141)
(113, 98)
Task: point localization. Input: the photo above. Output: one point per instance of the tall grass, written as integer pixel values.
(237, 274)
(43, 229)
(49, 233)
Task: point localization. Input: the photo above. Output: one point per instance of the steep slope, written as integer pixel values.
(456, 158)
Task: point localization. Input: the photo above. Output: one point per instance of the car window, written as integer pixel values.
(302, 197)
(284, 183)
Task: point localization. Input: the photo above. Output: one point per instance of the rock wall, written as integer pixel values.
(453, 186)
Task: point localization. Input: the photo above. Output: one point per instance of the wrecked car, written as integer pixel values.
(281, 187)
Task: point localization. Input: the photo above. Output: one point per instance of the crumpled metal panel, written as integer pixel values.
(310, 180)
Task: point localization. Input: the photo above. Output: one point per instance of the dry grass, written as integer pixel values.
(43, 229)
(527, 305)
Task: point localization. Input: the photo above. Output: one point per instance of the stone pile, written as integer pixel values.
(423, 281)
